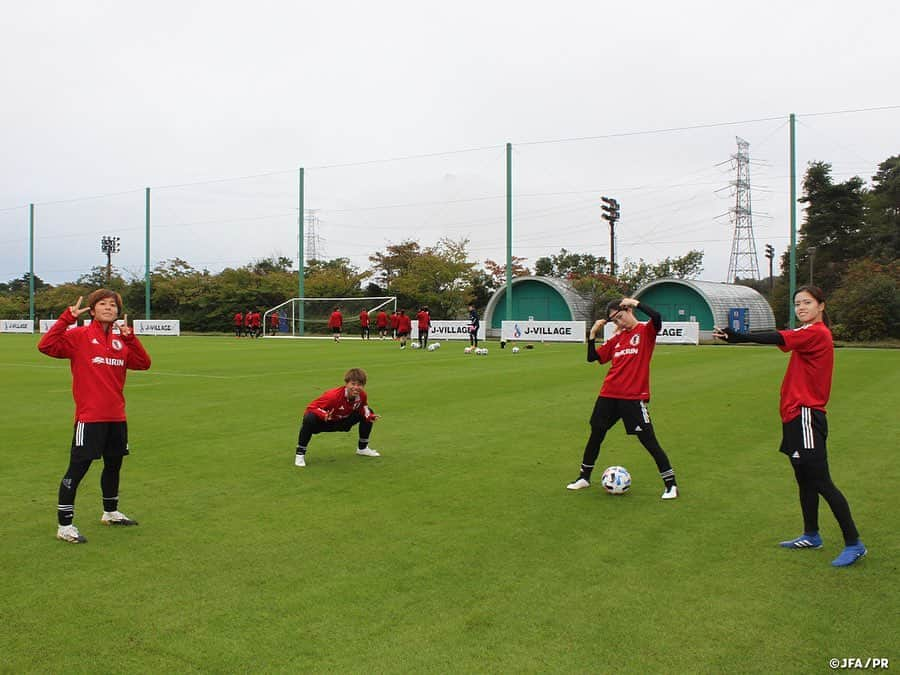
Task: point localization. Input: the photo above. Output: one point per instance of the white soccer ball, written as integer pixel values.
(415, 345)
(437, 345)
(468, 350)
(515, 350)
(616, 480)
(431, 348)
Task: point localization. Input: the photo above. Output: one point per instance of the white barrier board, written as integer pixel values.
(16, 326)
(672, 333)
(157, 327)
(543, 331)
(447, 330)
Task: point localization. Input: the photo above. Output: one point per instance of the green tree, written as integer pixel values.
(335, 278)
(637, 274)
(883, 212)
(568, 265)
(867, 305)
(394, 261)
(439, 276)
(497, 271)
(833, 232)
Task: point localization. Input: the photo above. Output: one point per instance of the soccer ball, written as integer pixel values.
(468, 350)
(431, 348)
(616, 480)
(515, 350)
(415, 345)
(436, 345)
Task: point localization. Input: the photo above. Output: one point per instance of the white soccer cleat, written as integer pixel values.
(299, 460)
(70, 534)
(368, 452)
(670, 493)
(116, 518)
(579, 484)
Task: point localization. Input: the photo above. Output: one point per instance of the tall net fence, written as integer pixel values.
(676, 188)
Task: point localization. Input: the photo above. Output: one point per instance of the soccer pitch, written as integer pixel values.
(458, 550)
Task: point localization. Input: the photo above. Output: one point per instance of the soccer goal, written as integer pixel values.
(308, 317)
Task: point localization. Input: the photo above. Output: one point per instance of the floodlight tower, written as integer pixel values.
(744, 263)
(109, 245)
(312, 242)
(611, 214)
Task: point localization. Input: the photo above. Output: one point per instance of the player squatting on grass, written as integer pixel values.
(339, 409)
(99, 360)
(804, 395)
(626, 388)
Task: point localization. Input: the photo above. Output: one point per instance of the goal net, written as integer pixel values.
(308, 317)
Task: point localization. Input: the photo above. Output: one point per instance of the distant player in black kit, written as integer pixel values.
(626, 388)
(474, 324)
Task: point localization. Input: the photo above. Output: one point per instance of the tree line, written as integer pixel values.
(848, 244)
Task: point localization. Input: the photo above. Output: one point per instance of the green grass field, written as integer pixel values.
(459, 550)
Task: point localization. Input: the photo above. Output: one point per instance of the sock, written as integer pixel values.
(586, 470)
(668, 478)
(111, 504)
(363, 444)
(301, 450)
(65, 514)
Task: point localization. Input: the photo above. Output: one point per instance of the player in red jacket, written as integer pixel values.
(404, 326)
(364, 324)
(381, 323)
(339, 409)
(804, 428)
(423, 316)
(626, 389)
(395, 323)
(255, 324)
(274, 322)
(335, 322)
(238, 324)
(99, 359)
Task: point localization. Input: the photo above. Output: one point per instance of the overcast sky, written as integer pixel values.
(215, 105)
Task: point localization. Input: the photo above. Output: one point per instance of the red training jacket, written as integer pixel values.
(404, 324)
(99, 361)
(807, 382)
(630, 351)
(336, 401)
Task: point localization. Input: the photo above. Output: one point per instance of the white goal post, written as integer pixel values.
(308, 317)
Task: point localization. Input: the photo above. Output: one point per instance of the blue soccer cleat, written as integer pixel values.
(850, 555)
(803, 541)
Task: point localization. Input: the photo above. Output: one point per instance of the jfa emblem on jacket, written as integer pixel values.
(635, 340)
(116, 344)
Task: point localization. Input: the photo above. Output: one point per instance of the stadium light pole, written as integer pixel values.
(770, 254)
(109, 245)
(509, 232)
(611, 214)
(147, 253)
(792, 273)
(31, 261)
(301, 268)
